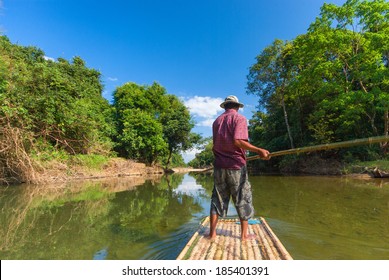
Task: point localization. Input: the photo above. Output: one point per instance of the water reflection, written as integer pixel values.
(134, 218)
(110, 220)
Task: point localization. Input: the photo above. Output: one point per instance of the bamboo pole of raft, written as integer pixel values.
(189, 244)
(249, 244)
(277, 242)
(237, 243)
(224, 240)
(229, 244)
(269, 252)
(212, 251)
(204, 248)
(255, 244)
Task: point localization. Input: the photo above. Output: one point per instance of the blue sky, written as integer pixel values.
(198, 50)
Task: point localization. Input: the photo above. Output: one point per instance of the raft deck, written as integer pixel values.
(228, 246)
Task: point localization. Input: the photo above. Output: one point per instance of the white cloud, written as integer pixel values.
(190, 154)
(112, 79)
(204, 108)
(46, 57)
(206, 122)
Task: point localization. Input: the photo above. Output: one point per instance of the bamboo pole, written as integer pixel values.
(267, 250)
(236, 236)
(336, 145)
(284, 254)
(190, 243)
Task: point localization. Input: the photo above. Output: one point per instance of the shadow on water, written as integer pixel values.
(135, 218)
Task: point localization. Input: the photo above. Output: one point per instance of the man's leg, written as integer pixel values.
(242, 197)
(213, 223)
(219, 200)
(244, 231)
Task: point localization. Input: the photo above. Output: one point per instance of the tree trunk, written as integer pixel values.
(384, 146)
(287, 121)
(168, 159)
(372, 123)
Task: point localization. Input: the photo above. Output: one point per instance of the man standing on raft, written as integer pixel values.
(230, 142)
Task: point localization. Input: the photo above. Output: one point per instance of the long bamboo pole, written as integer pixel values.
(337, 145)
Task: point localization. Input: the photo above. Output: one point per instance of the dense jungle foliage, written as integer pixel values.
(51, 109)
(328, 85)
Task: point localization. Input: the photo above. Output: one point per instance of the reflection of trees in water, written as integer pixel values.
(44, 223)
(14, 210)
(36, 220)
(171, 181)
(153, 210)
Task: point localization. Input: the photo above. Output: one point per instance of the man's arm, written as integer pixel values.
(243, 144)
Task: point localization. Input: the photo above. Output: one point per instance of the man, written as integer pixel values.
(230, 142)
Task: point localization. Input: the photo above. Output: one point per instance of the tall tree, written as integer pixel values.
(332, 81)
(269, 78)
(348, 44)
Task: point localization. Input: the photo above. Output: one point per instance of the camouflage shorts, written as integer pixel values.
(229, 183)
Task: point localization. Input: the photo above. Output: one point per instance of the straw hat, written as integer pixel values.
(231, 99)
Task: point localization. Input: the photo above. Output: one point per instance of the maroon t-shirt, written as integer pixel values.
(226, 128)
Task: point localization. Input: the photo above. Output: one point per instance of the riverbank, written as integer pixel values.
(319, 166)
(76, 168)
(56, 171)
(113, 167)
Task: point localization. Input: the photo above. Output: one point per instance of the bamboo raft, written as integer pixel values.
(228, 245)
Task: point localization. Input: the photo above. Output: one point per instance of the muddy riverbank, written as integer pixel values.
(55, 171)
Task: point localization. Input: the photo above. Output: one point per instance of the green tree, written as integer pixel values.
(152, 125)
(331, 81)
(205, 157)
(141, 137)
(52, 105)
(351, 64)
(269, 78)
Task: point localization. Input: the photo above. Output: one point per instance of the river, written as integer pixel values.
(316, 218)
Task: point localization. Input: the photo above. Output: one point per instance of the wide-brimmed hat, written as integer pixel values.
(231, 99)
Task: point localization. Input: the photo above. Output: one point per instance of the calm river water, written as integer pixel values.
(316, 218)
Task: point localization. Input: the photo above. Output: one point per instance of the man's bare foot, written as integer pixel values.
(210, 236)
(248, 237)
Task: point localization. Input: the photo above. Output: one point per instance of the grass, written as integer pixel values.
(94, 162)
